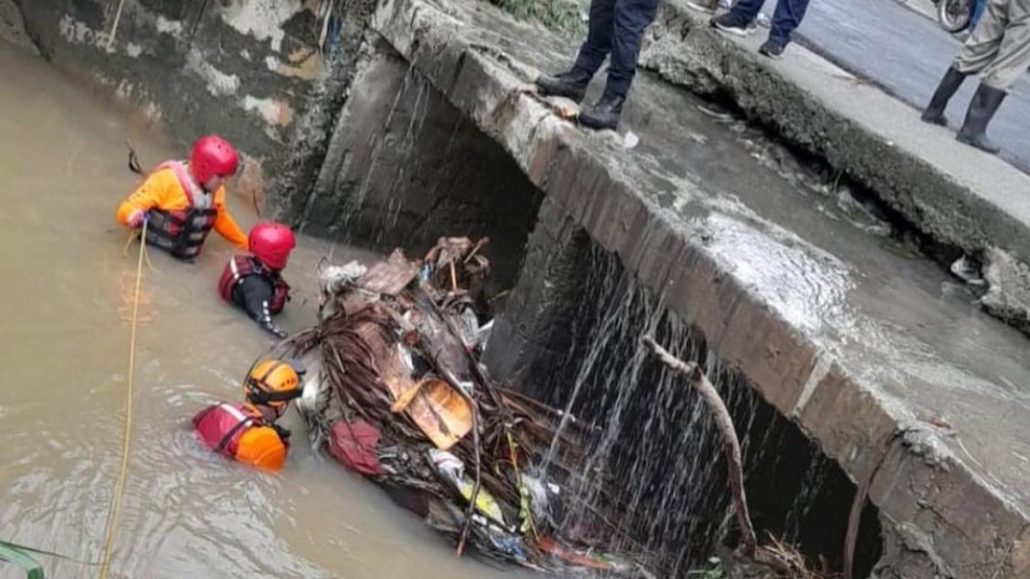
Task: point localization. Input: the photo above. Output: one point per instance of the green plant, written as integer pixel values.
(561, 15)
(19, 555)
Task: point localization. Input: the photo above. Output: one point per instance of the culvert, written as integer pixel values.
(849, 338)
(405, 167)
(813, 311)
(656, 455)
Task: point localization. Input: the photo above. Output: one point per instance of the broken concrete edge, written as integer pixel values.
(685, 51)
(852, 422)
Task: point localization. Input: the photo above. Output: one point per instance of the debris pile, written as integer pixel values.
(400, 397)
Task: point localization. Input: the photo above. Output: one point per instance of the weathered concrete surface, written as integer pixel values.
(951, 192)
(883, 369)
(534, 335)
(911, 55)
(12, 28)
(404, 167)
(244, 70)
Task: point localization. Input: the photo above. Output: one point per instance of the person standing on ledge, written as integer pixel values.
(615, 31)
(999, 53)
(786, 18)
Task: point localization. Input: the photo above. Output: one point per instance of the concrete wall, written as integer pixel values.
(243, 69)
(405, 167)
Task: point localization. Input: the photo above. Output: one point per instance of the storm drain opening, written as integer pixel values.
(655, 455)
(404, 167)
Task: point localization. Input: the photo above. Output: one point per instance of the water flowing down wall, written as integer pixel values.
(836, 346)
(404, 167)
(656, 455)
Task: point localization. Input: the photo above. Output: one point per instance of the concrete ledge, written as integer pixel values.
(953, 193)
(649, 221)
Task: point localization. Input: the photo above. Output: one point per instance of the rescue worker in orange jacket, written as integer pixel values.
(247, 432)
(254, 282)
(182, 202)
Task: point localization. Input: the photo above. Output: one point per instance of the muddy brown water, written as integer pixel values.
(64, 334)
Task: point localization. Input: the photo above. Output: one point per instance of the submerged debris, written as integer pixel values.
(402, 399)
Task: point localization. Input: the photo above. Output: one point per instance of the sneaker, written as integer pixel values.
(730, 23)
(772, 50)
(705, 6)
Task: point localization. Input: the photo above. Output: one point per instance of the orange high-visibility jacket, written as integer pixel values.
(161, 190)
(240, 432)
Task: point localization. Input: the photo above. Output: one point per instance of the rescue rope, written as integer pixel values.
(119, 489)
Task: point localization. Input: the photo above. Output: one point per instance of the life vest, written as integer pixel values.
(239, 267)
(181, 232)
(242, 434)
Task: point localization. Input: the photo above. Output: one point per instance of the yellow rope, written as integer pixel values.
(119, 489)
(133, 236)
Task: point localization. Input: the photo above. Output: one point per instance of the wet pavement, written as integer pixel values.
(906, 54)
(64, 343)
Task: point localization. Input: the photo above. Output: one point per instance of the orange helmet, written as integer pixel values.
(272, 383)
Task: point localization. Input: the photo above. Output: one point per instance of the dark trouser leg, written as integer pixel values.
(786, 19)
(632, 17)
(599, 38)
(981, 110)
(745, 11)
(934, 112)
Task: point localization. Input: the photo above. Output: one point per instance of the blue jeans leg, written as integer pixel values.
(786, 18)
(745, 11)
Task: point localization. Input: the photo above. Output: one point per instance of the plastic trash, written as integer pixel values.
(432, 404)
(967, 271)
(483, 335)
(452, 470)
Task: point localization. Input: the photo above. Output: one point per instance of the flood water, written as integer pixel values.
(64, 337)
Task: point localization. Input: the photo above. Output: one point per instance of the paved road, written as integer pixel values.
(906, 54)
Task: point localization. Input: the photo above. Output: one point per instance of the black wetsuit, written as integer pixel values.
(254, 294)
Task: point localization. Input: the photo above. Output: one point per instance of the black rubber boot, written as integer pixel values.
(604, 114)
(981, 110)
(934, 113)
(572, 85)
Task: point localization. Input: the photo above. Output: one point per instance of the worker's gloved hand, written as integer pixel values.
(136, 218)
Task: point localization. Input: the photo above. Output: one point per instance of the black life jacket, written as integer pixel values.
(181, 232)
(239, 267)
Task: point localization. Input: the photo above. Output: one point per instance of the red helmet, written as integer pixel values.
(271, 242)
(213, 156)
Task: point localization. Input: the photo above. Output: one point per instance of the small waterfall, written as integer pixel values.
(656, 458)
(386, 139)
